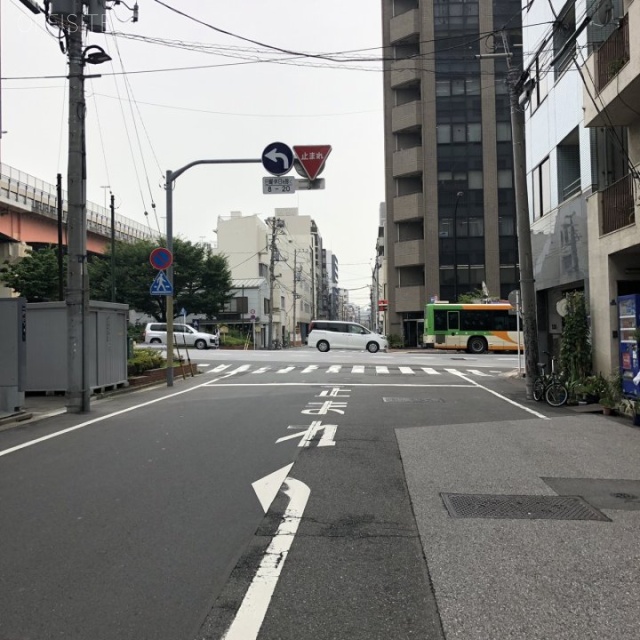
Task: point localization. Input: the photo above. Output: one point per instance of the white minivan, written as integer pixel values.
(335, 334)
(183, 335)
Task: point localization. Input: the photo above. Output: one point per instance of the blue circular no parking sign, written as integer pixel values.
(161, 258)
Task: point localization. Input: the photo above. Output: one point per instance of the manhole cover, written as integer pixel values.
(412, 400)
(469, 505)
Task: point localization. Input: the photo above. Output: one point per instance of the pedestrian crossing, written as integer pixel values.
(356, 369)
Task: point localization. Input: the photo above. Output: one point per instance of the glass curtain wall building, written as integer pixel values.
(449, 181)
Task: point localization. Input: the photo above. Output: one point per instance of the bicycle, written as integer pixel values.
(551, 387)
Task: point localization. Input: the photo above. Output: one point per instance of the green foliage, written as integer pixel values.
(612, 392)
(135, 331)
(575, 347)
(34, 277)
(201, 280)
(395, 341)
(143, 360)
(230, 340)
(470, 297)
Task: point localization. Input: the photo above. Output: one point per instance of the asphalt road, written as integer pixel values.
(131, 526)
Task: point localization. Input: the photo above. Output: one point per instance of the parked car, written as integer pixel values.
(183, 335)
(334, 334)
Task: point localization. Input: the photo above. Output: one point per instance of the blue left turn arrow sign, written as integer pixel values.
(161, 285)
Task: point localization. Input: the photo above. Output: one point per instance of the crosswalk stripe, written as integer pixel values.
(478, 373)
(335, 368)
(241, 368)
(285, 370)
(454, 371)
(261, 370)
(382, 370)
(311, 367)
(357, 368)
(407, 370)
(430, 371)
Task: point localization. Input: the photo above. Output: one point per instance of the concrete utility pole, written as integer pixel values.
(78, 392)
(272, 277)
(60, 250)
(113, 248)
(525, 253)
(295, 294)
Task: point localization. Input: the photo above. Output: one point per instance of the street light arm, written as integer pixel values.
(179, 172)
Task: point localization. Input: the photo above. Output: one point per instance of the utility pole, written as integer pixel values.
(113, 248)
(59, 207)
(295, 294)
(78, 392)
(272, 277)
(525, 253)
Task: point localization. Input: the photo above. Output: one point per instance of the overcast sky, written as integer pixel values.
(142, 124)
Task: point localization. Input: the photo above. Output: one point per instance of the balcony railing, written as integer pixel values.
(618, 209)
(613, 54)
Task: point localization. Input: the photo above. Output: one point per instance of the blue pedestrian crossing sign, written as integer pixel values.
(161, 285)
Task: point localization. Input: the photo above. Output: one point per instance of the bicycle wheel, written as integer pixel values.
(556, 394)
(538, 389)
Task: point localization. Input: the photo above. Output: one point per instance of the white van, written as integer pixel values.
(183, 335)
(334, 334)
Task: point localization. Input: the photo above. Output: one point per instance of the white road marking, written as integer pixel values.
(250, 616)
(30, 443)
(498, 395)
(261, 370)
(204, 364)
(334, 368)
(285, 370)
(220, 367)
(357, 368)
(240, 369)
(407, 371)
(455, 372)
(380, 370)
(430, 371)
(267, 488)
(311, 367)
(478, 373)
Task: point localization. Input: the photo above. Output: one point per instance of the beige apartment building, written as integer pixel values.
(448, 155)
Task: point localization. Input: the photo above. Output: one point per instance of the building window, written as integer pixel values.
(564, 38)
(503, 131)
(541, 189)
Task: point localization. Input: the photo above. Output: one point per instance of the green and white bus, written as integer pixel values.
(475, 328)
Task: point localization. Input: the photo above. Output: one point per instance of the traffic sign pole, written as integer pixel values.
(171, 176)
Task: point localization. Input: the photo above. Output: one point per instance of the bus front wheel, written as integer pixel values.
(477, 344)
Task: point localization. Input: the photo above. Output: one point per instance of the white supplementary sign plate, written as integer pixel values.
(279, 184)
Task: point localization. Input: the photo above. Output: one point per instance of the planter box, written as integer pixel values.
(153, 376)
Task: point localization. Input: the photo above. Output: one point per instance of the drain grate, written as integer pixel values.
(470, 505)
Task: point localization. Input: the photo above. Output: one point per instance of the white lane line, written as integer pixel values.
(407, 371)
(285, 370)
(380, 370)
(498, 395)
(219, 368)
(478, 373)
(250, 616)
(430, 371)
(30, 443)
(357, 368)
(261, 370)
(335, 368)
(203, 364)
(311, 367)
(336, 384)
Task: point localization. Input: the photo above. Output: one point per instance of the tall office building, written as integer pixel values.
(451, 219)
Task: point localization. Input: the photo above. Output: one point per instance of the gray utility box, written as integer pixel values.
(47, 346)
(13, 352)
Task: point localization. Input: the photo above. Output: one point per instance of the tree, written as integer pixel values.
(34, 277)
(215, 286)
(201, 281)
(575, 347)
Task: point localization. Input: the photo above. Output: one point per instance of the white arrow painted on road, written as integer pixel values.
(267, 488)
(250, 616)
(274, 155)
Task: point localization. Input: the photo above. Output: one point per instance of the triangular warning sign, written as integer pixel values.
(312, 158)
(161, 285)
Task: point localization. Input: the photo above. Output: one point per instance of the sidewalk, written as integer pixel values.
(504, 577)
